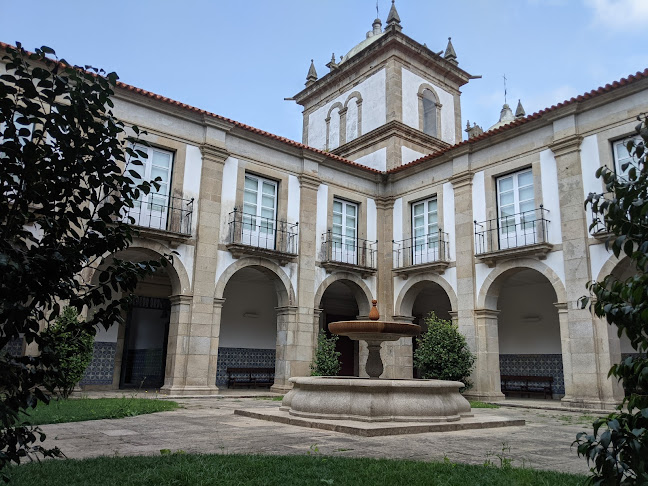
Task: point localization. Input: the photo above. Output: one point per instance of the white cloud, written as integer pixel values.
(627, 15)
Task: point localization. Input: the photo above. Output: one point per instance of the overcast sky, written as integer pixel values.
(241, 58)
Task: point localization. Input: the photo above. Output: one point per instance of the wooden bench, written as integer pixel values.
(250, 377)
(529, 385)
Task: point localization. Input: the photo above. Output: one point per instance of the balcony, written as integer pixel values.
(348, 254)
(512, 236)
(421, 254)
(250, 235)
(162, 217)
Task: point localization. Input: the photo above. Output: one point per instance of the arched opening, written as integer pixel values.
(429, 112)
(248, 328)
(134, 355)
(333, 127)
(529, 334)
(425, 297)
(339, 303)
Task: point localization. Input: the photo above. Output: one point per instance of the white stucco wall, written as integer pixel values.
(408, 155)
(372, 220)
(352, 120)
(294, 199)
(228, 194)
(320, 219)
(590, 161)
(550, 199)
(375, 160)
(374, 109)
(449, 218)
(411, 85)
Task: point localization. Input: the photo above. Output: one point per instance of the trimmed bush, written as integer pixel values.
(72, 347)
(327, 359)
(442, 352)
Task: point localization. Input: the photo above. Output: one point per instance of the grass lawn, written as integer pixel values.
(476, 404)
(76, 410)
(223, 470)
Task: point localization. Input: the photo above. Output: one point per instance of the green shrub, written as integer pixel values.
(72, 347)
(327, 359)
(442, 353)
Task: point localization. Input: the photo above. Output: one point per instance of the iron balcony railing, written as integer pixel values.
(354, 251)
(512, 231)
(160, 212)
(419, 250)
(263, 233)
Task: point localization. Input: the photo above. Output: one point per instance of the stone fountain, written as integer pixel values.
(373, 406)
(373, 399)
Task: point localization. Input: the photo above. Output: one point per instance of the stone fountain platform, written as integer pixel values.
(377, 407)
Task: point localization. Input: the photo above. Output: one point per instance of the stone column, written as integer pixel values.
(343, 114)
(584, 345)
(217, 311)
(197, 371)
(465, 261)
(288, 352)
(177, 342)
(487, 385)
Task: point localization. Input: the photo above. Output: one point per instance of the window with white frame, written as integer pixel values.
(259, 217)
(516, 209)
(622, 158)
(344, 232)
(425, 232)
(152, 210)
(429, 113)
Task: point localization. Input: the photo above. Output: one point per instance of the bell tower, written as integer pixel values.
(388, 101)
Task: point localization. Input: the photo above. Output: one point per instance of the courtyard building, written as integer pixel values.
(383, 199)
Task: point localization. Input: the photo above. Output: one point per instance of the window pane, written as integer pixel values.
(506, 184)
(526, 193)
(418, 209)
(432, 206)
(161, 159)
(269, 188)
(251, 183)
(506, 198)
(267, 202)
(525, 178)
(337, 219)
(351, 210)
(337, 207)
(250, 197)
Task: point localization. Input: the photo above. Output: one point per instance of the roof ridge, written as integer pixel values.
(631, 78)
(243, 126)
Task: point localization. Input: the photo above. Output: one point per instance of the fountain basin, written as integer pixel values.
(374, 400)
(374, 330)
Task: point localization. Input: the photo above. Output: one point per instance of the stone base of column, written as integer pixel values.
(590, 403)
(189, 390)
(484, 396)
(283, 389)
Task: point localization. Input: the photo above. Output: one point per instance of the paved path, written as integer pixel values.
(209, 425)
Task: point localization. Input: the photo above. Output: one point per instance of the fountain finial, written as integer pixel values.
(373, 313)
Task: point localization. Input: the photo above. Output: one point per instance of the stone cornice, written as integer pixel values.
(214, 152)
(308, 181)
(214, 122)
(462, 179)
(488, 313)
(218, 302)
(566, 146)
(384, 132)
(180, 299)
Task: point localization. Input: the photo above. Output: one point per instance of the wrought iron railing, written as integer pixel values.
(160, 212)
(354, 251)
(419, 250)
(263, 233)
(512, 231)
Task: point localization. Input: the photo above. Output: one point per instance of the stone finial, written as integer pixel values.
(311, 77)
(450, 54)
(377, 27)
(373, 313)
(519, 111)
(473, 131)
(332, 65)
(393, 20)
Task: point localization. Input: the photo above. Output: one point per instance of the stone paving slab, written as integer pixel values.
(376, 429)
(209, 426)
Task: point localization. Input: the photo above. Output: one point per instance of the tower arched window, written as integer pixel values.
(429, 113)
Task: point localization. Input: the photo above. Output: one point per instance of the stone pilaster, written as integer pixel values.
(581, 342)
(177, 343)
(464, 257)
(487, 385)
(199, 352)
(291, 348)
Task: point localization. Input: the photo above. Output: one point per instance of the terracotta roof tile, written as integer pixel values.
(521, 121)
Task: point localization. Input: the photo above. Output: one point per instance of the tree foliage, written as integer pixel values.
(618, 446)
(71, 345)
(443, 353)
(65, 185)
(327, 359)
